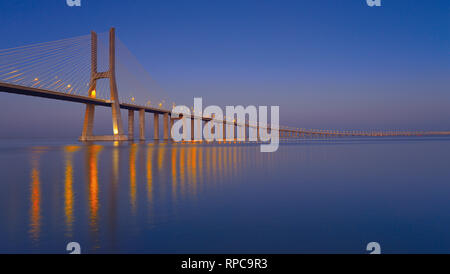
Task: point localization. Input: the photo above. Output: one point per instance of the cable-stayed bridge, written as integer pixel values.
(84, 70)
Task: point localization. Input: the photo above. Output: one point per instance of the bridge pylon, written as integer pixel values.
(88, 126)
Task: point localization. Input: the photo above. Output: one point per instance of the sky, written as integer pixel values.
(327, 63)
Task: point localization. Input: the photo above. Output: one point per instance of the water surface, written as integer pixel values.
(312, 196)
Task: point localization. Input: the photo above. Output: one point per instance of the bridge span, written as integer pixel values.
(16, 63)
(284, 132)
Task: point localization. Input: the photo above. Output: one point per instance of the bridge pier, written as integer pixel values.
(118, 133)
(88, 125)
(130, 125)
(166, 126)
(142, 125)
(155, 126)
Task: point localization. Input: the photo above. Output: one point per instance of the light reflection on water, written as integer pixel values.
(68, 189)
(310, 196)
(35, 198)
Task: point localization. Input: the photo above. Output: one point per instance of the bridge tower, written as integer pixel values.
(88, 126)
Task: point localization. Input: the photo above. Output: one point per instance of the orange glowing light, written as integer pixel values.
(174, 171)
(93, 93)
(133, 189)
(35, 211)
(149, 173)
(161, 158)
(93, 186)
(68, 188)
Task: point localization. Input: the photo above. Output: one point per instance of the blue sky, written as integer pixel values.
(327, 64)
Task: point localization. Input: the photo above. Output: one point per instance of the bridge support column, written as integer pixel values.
(88, 125)
(130, 125)
(118, 133)
(142, 124)
(155, 126)
(166, 126)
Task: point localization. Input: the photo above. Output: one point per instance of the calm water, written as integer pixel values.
(310, 196)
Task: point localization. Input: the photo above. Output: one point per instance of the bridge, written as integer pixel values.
(20, 67)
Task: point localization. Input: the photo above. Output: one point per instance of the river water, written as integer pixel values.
(311, 196)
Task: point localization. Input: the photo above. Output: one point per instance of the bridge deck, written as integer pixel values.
(29, 91)
(36, 92)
